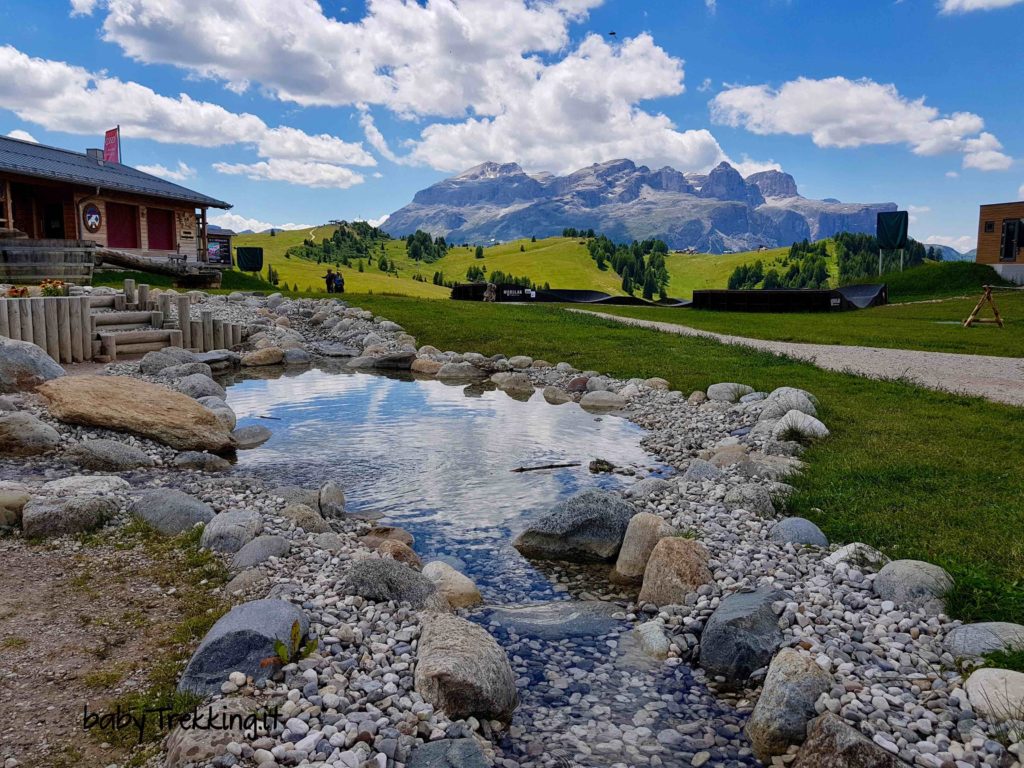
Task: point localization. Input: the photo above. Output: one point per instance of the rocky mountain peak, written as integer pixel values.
(725, 183)
(774, 184)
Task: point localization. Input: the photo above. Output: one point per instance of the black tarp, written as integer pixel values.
(250, 259)
(891, 229)
(792, 299)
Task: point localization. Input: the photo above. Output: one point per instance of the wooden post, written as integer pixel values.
(204, 246)
(196, 331)
(52, 334)
(38, 322)
(14, 318)
(165, 305)
(129, 291)
(86, 327)
(175, 339)
(5, 326)
(64, 330)
(207, 318)
(109, 347)
(143, 296)
(156, 319)
(184, 304)
(218, 334)
(25, 310)
(8, 204)
(76, 330)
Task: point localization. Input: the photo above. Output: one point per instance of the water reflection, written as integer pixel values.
(435, 458)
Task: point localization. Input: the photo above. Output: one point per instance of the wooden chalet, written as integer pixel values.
(1001, 239)
(49, 195)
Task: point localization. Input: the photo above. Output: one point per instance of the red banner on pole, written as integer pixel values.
(112, 145)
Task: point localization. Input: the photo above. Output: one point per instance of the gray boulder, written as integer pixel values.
(700, 470)
(153, 363)
(109, 456)
(786, 703)
(56, 517)
(728, 392)
(384, 579)
(259, 550)
(751, 497)
(797, 530)
(914, 585)
(221, 410)
(781, 402)
(22, 434)
(331, 500)
(448, 753)
(558, 619)
(586, 527)
(170, 511)
(601, 400)
(972, 640)
(294, 494)
(204, 462)
(182, 370)
(24, 366)
(647, 487)
(230, 531)
(221, 361)
(197, 385)
(251, 436)
(459, 372)
(797, 425)
(392, 361)
(462, 670)
(240, 641)
(832, 742)
(296, 356)
(741, 635)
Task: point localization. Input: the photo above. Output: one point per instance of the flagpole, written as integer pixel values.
(120, 159)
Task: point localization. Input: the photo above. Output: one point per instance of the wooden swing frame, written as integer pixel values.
(986, 298)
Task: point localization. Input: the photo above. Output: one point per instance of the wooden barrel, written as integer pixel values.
(29, 262)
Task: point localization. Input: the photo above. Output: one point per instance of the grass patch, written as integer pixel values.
(932, 327)
(913, 472)
(933, 280)
(1006, 660)
(13, 642)
(232, 280)
(179, 562)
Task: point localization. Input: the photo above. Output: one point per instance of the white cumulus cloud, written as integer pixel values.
(63, 97)
(239, 223)
(180, 173)
(17, 133)
(294, 172)
(962, 243)
(1020, 192)
(966, 6)
(838, 112)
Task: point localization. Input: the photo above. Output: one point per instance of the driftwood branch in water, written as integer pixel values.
(547, 466)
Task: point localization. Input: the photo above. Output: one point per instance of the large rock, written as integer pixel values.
(185, 369)
(700, 470)
(996, 694)
(514, 383)
(741, 635)
(265, 356)
(797, 425)
(154, 363)
(602, 401)
(204, 462)
(797, 530)
(463, 671)
(752, 497)
(12, 502)
(75, 514)
(259, 550)
(786, 703)
(556, 396)
(457, 588)
(230, 531)
(426, 366)
(22, 434)
(642, 533)
(972, 640)
(588, 526)
(384, 579)
(132, 405)
(647, 487)
(833, 743)
(914, 585)
(559, 619)
(294, 494)
(728, 392)
(109, 456)
(221, 409)
(459, 372)
(24, 366)
(677, 567)
(393, 361)
(251, 436)
(331, 499)
(782, 401)
(78, 485)
(241, 641)
(306, 518)
(859, 555)
(197, 385)
(381, 533)
(448, 753)
(170, 511)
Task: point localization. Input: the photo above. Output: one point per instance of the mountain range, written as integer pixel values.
(717, 212)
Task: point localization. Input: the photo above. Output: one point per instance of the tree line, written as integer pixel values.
(640, 264)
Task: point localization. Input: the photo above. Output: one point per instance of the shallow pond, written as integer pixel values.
(437, 460)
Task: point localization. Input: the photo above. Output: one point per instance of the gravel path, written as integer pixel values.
(1000, 379)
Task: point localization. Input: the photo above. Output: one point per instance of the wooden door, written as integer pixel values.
(122, 225)
(161, 229)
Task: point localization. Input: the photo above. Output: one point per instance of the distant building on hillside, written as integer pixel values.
(1001, 239)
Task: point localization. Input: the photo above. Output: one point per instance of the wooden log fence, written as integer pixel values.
(74, 329)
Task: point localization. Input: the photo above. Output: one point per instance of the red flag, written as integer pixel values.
(112, 145)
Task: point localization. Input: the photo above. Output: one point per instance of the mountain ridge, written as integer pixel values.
(714, 212)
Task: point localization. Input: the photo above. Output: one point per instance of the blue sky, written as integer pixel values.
(298, 112)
